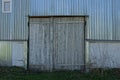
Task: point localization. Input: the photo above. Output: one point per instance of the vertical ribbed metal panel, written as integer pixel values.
(57, 7)
(100, 19)
(21, 9)
(103, 20)
(116, 19)
(102, 24)
(5, 24)
(13, 26)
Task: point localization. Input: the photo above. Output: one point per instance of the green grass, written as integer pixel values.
(20, 74)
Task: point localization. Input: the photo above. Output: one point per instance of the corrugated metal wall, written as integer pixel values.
(14, 26)
(116, 19)
(102, 23)
(100, 19)
(57, 7)
(21, 10)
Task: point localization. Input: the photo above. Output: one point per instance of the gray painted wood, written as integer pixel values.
(105, 55)
(18, 54)
(13, 53)
(40, 46)
(57, 44)
(68, 43)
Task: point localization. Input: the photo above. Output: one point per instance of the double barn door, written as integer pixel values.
(56, 43)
